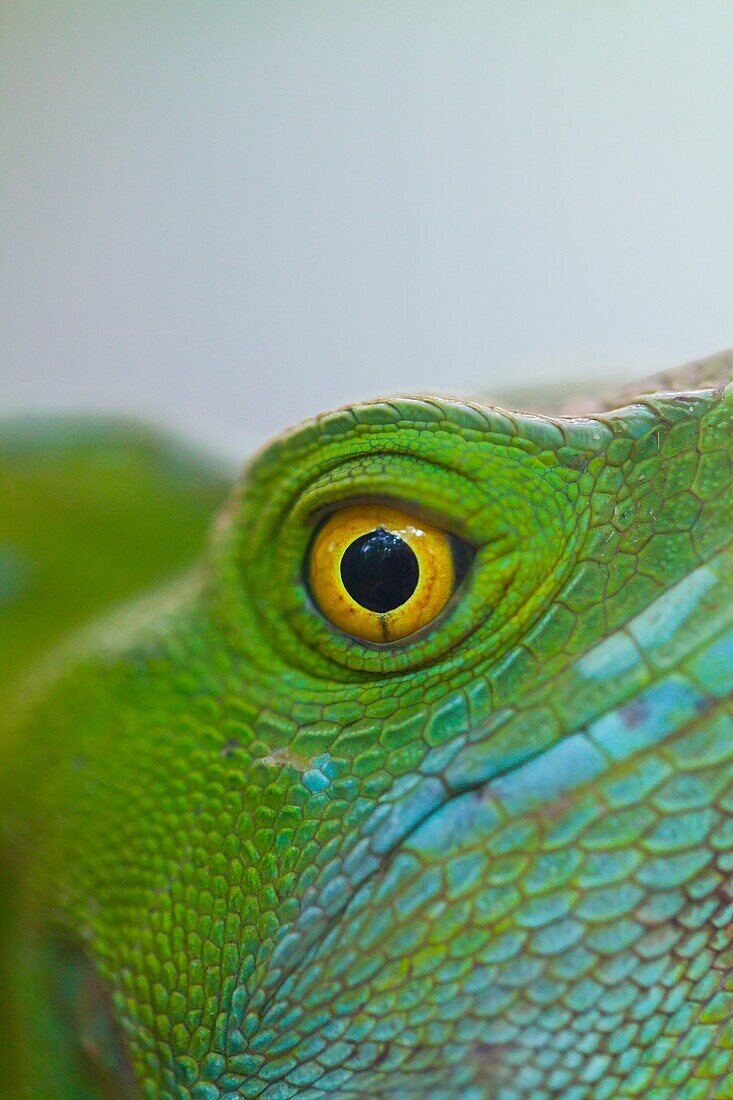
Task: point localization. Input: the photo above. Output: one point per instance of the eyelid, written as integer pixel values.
(450, 499)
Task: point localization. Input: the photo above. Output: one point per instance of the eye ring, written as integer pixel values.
(380, 574)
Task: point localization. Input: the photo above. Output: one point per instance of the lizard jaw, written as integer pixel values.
(470, 784)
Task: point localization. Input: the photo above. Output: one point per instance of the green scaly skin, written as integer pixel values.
(249, 856)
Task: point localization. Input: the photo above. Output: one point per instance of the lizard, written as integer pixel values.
(413, 777)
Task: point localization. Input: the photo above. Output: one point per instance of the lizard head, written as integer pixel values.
(420, 786)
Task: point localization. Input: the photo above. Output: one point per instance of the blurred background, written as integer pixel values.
(229, 216)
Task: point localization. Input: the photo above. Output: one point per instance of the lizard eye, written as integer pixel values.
(380, 574)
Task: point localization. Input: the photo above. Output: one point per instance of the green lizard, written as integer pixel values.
(419, 783)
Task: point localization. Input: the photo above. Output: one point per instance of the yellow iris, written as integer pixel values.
(380, 574)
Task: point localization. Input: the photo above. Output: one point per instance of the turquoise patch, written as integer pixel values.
(667, 614)
(650, 717)
(565, 766)
(615, 655)
(714, 666)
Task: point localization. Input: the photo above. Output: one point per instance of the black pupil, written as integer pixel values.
(379, 571)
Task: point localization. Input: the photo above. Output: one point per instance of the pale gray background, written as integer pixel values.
(232, 215)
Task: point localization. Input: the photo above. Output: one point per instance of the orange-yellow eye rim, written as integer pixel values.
(436, 572)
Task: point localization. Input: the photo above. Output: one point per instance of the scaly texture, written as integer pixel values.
(490, 862)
